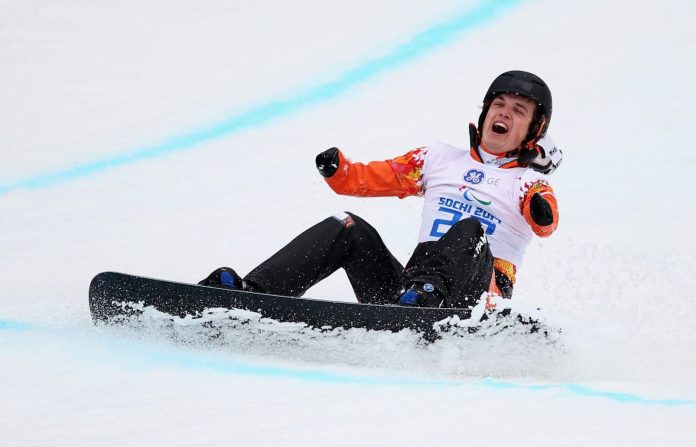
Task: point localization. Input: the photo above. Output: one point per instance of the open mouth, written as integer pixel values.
(499, 128)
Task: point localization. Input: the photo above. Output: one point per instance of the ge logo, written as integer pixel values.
(474, 176)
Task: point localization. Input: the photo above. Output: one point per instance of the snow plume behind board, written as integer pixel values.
(84, 82)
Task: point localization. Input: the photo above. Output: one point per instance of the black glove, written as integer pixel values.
(540, 210)
(327, 162)
(527, 154)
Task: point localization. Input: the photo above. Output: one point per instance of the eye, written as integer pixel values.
(520, 111)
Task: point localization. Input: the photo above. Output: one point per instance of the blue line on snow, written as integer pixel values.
(585, 391)
(420, 45)
(10, 325)
(319, 376)
(161, 354)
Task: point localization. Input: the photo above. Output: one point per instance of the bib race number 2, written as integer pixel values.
(441, 226)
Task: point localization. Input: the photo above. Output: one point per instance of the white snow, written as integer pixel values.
(84, 82)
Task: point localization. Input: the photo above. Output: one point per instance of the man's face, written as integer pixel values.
(507, 123)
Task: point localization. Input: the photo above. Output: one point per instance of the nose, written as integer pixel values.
(505, 111)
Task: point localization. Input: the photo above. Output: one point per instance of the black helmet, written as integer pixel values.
(524, 84)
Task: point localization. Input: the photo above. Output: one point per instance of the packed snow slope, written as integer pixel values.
(169, 138)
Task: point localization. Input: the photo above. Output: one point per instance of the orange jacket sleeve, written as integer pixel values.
(400, 176)
(547, 194)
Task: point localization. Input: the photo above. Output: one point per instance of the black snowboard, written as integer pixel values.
(109, 291)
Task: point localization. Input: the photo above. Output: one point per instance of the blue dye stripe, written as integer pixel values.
(10, 325)
(229, 366)
(418, 46)
(161, 354)
(585, 391)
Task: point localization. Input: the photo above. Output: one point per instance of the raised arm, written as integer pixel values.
(399, 177)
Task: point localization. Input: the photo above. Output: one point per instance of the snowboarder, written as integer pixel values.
(482, 207)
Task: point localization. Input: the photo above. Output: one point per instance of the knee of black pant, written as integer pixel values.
(468, 231)
(354, 223)
(355, 234)
(467, 227)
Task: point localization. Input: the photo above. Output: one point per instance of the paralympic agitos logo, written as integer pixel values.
(470, 196)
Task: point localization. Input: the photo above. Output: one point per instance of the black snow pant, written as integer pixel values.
(459, 264)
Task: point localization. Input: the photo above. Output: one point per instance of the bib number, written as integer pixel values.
(441, 226)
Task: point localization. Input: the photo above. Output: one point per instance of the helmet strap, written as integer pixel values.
(542, 128)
